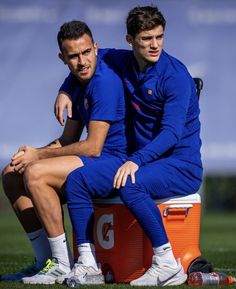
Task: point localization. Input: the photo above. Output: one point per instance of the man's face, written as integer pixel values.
(81, 57)
(147, 46)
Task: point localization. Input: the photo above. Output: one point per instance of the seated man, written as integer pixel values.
(167, 160)
(34, 179)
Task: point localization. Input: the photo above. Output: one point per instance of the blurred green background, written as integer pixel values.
(219, 194)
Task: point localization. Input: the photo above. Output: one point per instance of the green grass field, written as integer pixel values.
(218, 244)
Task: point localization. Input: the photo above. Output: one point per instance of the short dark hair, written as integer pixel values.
(144, 18)
(73, 30)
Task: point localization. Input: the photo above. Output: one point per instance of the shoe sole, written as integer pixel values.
(40, 283)
(174, 282)
(89, 280)
(170, 282)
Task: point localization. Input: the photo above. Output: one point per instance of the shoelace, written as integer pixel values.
(80, 269)
(49, 265)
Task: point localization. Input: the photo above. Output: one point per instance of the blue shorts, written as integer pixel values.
(98, 173)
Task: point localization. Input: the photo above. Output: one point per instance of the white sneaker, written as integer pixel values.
(161, 276)
(29, 271)
(83, 274)
(49, 274)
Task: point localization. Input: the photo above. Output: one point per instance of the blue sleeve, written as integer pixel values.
(69, 84)
(177, 91)
(105, 97)
(117, 58)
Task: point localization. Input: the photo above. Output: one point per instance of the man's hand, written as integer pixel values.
(23, 157)
(62, 102)
(127, 169)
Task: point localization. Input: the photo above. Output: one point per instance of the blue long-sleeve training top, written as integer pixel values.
(165, 108)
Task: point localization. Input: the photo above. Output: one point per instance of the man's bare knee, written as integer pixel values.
(32, 174)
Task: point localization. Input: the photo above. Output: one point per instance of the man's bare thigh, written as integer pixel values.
(53, 171)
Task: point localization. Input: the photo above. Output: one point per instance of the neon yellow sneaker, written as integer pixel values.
(49, 274)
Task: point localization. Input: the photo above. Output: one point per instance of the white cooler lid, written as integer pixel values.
(193, 198)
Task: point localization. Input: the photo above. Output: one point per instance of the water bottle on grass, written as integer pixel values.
(199, 278)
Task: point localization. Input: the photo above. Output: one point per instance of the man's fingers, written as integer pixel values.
(117, 182)
(17, 155)
(58, 113)
(21, 171)
(18, 167)
(118, 179)
(23, 148)
(69, 109)
(15, 162)
(124, 179)
(132, 175)
(60, 116)
(115, 178)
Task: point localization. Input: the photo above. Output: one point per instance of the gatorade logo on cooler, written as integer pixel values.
(105, 232)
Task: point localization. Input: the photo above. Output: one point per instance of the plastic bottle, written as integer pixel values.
(199, 278)
(73, 282)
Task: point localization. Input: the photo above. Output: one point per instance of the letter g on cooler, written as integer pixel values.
(105, 232)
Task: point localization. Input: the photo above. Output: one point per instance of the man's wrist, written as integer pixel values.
(41, 153)
(135, 160)
(64, 92)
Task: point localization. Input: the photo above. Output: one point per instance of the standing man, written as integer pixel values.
(33, 181)
(167, 160)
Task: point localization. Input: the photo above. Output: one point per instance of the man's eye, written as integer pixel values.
(146, 39)
(72, 56)
(160, 37)
(86, 52)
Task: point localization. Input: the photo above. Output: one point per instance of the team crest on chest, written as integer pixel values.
(86, 104)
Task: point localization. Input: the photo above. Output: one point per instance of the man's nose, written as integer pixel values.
(81, 60)
(154, 43)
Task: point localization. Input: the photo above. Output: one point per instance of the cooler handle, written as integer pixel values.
(177, 206)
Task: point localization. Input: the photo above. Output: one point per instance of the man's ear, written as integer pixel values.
(60, 55)
(129, 39)
(96, 48)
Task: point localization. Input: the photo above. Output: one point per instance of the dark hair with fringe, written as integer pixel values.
(73, 30)
(144, 18)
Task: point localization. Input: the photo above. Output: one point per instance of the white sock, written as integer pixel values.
(41, 247)
(164, 255)
(60, 250)
(87, 254)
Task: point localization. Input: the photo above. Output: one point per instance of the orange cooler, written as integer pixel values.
(123, 249)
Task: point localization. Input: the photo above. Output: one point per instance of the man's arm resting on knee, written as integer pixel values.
(26, 154)
(92, 146)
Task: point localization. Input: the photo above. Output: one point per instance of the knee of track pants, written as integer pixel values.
(131, 194)
(76, 191)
